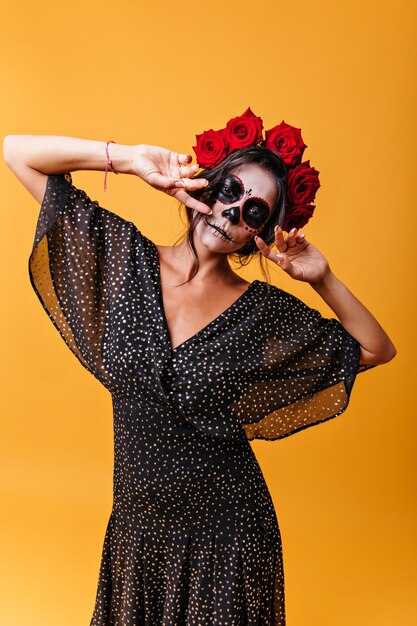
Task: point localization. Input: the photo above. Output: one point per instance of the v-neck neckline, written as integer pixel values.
(209, 325)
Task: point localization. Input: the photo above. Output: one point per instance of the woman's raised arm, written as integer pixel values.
(303, 261)
(33, 157)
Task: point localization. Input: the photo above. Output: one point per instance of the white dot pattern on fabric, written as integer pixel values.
(193, 537)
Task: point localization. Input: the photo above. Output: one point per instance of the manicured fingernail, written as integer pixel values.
(207, 184)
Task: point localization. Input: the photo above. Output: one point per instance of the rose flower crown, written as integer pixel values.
(302, 180)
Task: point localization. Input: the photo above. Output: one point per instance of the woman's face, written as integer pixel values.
(243, 205)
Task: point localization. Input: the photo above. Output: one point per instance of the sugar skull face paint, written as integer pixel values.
(255, 210)
(231, 189)
(242, 204)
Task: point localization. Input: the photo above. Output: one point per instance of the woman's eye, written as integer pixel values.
(227, 190)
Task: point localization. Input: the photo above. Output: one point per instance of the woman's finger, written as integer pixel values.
(280, 242)
(186, 171)
(159, 181)
(291, 239)
(191, 183)
(191, 202)
(183, 159)
(267, 252)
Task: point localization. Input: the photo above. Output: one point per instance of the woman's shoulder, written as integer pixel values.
(286, 302)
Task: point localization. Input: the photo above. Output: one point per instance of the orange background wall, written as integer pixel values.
(159, 73)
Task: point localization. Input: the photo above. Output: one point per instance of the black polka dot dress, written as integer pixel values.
(193, 538)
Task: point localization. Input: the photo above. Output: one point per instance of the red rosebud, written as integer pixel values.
(297, 216)
(286, 140)
(302, 183)
(244, 130)
(211, 148)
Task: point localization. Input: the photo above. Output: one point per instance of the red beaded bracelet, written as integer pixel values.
(108, 162)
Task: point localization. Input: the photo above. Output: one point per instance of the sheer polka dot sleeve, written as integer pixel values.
(304, 372)
(78, 266)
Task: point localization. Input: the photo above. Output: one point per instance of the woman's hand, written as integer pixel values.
(299, 258)
(160, 168)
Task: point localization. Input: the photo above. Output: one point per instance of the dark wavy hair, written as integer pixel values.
(274, 166)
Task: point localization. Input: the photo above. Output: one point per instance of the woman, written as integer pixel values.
(198, 362)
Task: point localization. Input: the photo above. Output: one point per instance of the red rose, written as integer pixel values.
(302, 183)
(287, 141)
(243, 131)
(297, 216)
(211, 148)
